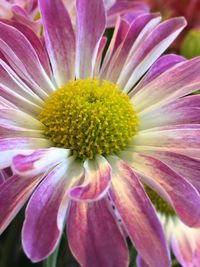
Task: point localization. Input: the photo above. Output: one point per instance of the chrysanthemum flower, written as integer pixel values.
(184, 241)
(82, 134)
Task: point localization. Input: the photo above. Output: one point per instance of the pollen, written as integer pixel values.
(89, 118)
(160, 204)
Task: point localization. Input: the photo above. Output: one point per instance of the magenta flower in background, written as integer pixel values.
(183, 240)
(82, 135)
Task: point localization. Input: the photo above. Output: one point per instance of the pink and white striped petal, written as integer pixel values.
(91, 22)
(5, 174)
(39, 161)
(119, 58)
(14, 192)
(183, 245)
(178, 81)
(120, 31)
(59, 39)
(122, 8)
(150, 49)
(175, 136)
(97, 180)
(102, 241)
(138, 214)
(176, 190)
(41, 215)
(35, 42)
(185, 166)
(160, 66)
(17, 118)
(10, 147)
(16, 52)
(180, 111)
(15, 85)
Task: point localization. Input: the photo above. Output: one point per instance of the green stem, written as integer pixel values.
(11, 244)
(51, 261)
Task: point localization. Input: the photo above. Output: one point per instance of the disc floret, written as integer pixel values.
(89, 118)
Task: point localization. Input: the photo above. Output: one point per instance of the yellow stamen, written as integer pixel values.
(89, 118)
(161, 205)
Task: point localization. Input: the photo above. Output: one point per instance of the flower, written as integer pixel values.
(183, 240)
(82, 135)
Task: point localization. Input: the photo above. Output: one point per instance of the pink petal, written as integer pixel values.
(120, 31)
(59, 39)
(10, 147)
(16, 86)
(39, 161)
(94, 236)
(35, 42)
(174, 188)
(182, 247)
(180, 111)
(16, 49)
(5, 174)
(141, 262)
(161, 65)
(41, 215)
(180, 139)
(18, 118)
(14, 192)
(121, 8)
(90, 28)
(98, 62)
(119, 58)
(97, 179)
(138, 215)
(147, 53)
(185, 166)
(178, 81)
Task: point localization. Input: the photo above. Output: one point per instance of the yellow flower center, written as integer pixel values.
(89, 118)
(161, 205)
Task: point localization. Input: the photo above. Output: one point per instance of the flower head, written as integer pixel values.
(85, 135)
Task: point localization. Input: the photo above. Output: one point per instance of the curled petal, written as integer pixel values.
(39, 161)
(97, 180)
(41, 215)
